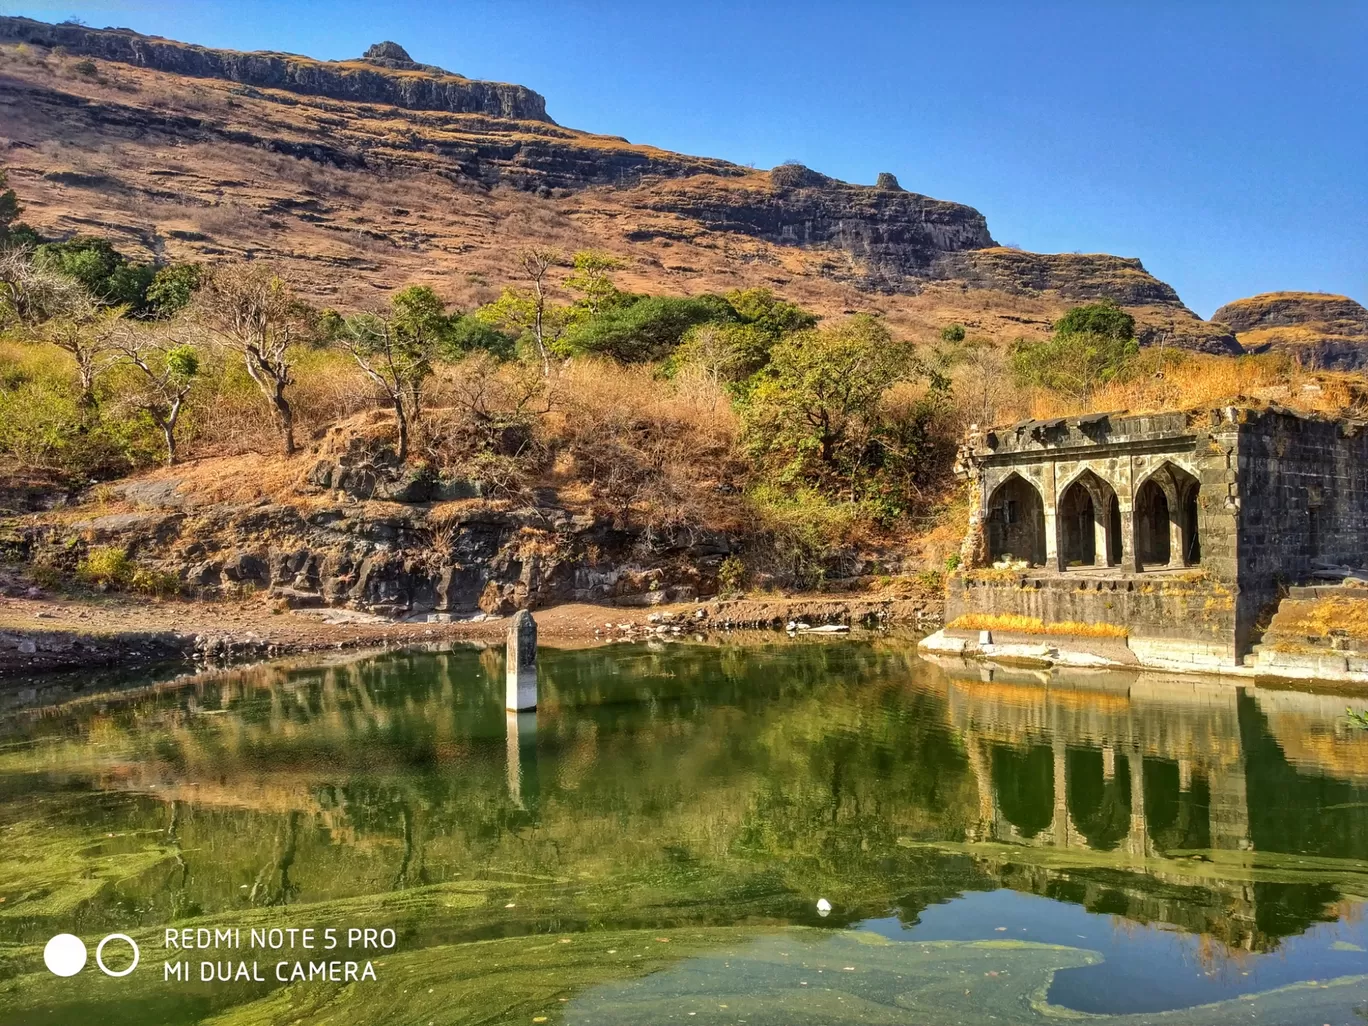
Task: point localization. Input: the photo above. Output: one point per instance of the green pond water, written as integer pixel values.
(651, 846)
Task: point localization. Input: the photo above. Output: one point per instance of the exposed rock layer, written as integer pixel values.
(363, 81)
(1318, 329)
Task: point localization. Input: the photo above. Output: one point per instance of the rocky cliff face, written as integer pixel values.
(393, 559)
(383, 78)
(1318, 329)
(892, 232)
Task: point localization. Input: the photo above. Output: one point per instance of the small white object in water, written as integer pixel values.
(823, 907)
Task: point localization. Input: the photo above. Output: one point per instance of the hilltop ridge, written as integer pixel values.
(1318, 329)
(379, 77)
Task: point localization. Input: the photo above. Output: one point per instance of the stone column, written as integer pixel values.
(1130, 550)
(521, 669)
(1053, 556)
(1101, 521)
(1185, 774)
(1108, 762)
(985, 830)
(1175, 537)
(1229, 808)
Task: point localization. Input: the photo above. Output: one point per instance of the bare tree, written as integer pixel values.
(535, 262)
(167, 368)
(30, 295)
(380, 352)
(89, 335)
(251, 310)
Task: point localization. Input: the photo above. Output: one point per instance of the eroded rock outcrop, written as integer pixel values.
(891, 232)
(366, 80)
(1318, 329)
(395, 559)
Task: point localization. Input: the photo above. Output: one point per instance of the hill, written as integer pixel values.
(1318, 329)
(363, 175)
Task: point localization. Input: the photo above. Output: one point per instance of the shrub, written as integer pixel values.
(44, 426)
(731, 574)
(96, 264)
(159, 583)
(107, 567)
(1091, 345)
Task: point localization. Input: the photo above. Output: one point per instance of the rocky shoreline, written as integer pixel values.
(46, 635)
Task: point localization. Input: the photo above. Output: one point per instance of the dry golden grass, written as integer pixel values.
(1321, 618)
(1296, 336)
(1269, 298)
(663, 450)
(1034, 625)
(1197, 381)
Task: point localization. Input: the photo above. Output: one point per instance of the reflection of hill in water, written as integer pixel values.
(703, 785)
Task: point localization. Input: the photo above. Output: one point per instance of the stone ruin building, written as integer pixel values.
(1183, 529)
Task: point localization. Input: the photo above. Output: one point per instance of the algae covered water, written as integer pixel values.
(651, 846)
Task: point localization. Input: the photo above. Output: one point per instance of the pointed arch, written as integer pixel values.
(1088, 513)
(1016, 521)
(1166, 517)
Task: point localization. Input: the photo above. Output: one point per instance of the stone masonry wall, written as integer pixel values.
(1192, 608)
(1303, 490)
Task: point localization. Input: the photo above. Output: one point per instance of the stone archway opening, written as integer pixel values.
(1078, 519)
(1187, 523)
(1089, 523)
(1016, 522)
(1166, 514)
(1152, 525)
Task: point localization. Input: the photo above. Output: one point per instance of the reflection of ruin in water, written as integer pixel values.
(1143, 774)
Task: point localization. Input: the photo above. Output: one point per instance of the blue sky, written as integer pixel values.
(1225, 144)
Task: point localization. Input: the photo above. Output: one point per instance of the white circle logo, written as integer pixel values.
(99, 951)
(65, 954)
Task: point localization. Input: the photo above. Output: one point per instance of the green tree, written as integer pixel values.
(173, 287)
(647, 328)
(952, 334)
(766, 312)
(395, 349)
(9, 207)
(724, 353)
(527, 312)
(166, 370)
(1104, 318)
(817, 405)
(592, 280)
(105, 272)
(469, 334)
(1090, 346)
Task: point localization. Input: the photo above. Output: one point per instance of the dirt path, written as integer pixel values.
(45, 633)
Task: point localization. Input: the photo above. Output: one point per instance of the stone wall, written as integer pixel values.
(1192, 608)
(1303, 491)
(1250, 499)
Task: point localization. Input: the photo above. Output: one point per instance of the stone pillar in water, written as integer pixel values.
(522, 663)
